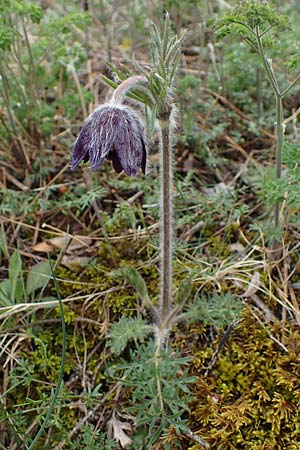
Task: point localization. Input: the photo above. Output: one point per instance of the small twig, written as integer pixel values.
(16, 182)
(86, 418)
(66, 166)
(225, 102)
(187, 235)
(134, 197)
(268, 332)
(220, 346)
(295, 302)
(189, 434)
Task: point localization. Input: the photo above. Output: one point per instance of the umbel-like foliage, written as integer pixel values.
(254, 22)
(251, 398)
(26, 11)
(248, 16)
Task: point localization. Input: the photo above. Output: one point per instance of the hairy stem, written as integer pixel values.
(125, 86)
(166, 217)
(159, 343)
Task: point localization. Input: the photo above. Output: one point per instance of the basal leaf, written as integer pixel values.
(38, 277)
(14, 272)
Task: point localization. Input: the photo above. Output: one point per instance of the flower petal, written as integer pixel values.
(113, 157)
(104, 122)
(80, 149)
(144, 158)
(113, 132)
(129, 142)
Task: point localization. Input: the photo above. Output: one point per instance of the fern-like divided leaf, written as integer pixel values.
(127, 329)
(218, 310)
(160, 390)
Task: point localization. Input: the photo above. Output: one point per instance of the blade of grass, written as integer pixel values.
(62, 366)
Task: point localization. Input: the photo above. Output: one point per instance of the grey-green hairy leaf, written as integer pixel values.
(127, 329)
(218, 310)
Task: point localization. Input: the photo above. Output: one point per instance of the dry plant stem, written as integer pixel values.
(79, 89)
(166, 217)
(88, 416)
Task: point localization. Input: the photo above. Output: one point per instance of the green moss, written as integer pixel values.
(251, 398)
(109, 295)
(219, 246)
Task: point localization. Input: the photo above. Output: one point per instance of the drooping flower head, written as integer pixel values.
(112, 132)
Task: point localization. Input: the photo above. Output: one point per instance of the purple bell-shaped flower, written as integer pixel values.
(112, 132)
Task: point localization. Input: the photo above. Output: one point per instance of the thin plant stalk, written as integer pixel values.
(166, 217)
(62, 365)
(72, 70)
(5, 96)
(279, 149)
(157, 92)
(279, 95)
(253, 20)
(279, 117)
(32, 73)
(166, 196)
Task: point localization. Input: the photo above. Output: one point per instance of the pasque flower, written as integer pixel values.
(112, 132)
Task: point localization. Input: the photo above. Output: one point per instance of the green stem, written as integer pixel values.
(266, 65)
(79, 89)
(166, 216)
(6, 99)
(279, 148)
(265, 31)
(279, 116)
(291, 85)
(159, 343)
(62, 365)
(31, 65)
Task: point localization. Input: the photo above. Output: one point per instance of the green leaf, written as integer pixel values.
(38, 277)
(14, 272)
(294, 63)
(3, 243)
(20, 290)
(5, 295)
(126, 330)
(218, 310)
(135, 280)
(184, 291)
